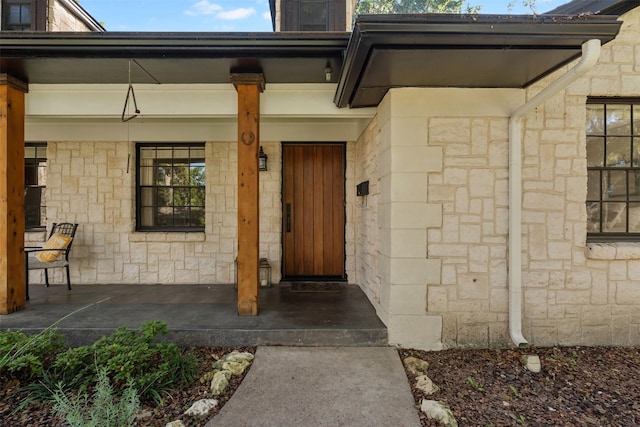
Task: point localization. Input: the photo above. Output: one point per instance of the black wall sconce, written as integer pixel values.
(262, 160)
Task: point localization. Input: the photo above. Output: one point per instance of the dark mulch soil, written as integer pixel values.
(578, 386)
(39, 414)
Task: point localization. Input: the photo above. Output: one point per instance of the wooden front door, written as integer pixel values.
(313, 211)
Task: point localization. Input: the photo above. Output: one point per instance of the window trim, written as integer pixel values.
(157, 228)
(612, 237)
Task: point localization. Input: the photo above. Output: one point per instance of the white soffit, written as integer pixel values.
(179, 101)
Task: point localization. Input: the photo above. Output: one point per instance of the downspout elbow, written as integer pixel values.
(590, 55)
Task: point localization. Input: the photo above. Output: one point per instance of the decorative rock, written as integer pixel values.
(177, 423)
(202, 407)
(236, 362)
(425, 384)
(236, 367)
(438, 411)
(219, 382)
(416, 366)
(532, 363)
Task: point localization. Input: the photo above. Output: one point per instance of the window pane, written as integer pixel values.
(146, 217)
(593, 185)
(593, 217)
(614, 217)
(197, 153)
(197, 217)
(181, 217)
(634, 185)
(165, 197)
(197, 174)
(636, 119)
(595, 151)
(595, 119)
(618, 119)
(197, 197)
(181, 196)
(619, 151)
(615, 184)
(313, 15)
(19, 14)
(146, 196)
(634, 217)
(180, 174)
(163, 174)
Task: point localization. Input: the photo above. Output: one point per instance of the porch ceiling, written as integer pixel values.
(383, 52)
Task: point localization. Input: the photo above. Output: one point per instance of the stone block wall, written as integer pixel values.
(61, 19)
(367, 239)
(472, 242)
(576, 293)
(88, 183)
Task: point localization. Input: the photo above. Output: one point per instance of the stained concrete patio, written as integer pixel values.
(204, 315)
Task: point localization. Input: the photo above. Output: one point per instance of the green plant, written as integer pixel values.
(514, 391)
(129, 355)
(26, 355)
(474, 385)
(105, 410)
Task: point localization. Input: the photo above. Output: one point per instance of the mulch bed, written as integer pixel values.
(584, 386)
(577, 386)
(39, 414)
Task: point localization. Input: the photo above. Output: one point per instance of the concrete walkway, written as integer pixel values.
(322, 386)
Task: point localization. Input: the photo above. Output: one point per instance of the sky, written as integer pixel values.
(231, 15)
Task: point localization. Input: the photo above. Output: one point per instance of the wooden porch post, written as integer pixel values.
(249, 87)
(12, 292)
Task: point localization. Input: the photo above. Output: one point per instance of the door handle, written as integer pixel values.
(288, 218)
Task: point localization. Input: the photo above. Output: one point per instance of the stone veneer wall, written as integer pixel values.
(472, 242)
(60, 19)
(576, 293)
(366, 208)
(88, 183)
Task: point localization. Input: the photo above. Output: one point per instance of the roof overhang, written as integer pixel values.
(474, 51)
(170, 58)
(383, 52)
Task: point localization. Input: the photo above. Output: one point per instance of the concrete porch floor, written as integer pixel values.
(204, 315)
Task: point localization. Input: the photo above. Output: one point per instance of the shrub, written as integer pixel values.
(128, 356)
(28, 355)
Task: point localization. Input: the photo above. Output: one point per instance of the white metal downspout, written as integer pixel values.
(590, 55)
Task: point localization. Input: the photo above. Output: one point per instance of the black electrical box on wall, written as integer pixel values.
(362, 189)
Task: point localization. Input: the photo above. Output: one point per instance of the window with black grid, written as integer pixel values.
(170, 187)
(35, 183)
(613, 169)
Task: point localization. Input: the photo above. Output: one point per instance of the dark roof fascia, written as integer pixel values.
(449, 31)
(597, 7)
(166, 45)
